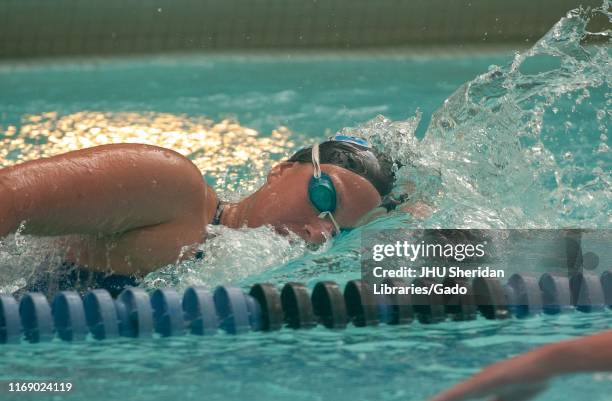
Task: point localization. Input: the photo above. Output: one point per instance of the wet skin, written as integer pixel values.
(523, 377)
(133, 208)
(283, 202)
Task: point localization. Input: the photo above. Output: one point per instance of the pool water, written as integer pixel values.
(488, 141)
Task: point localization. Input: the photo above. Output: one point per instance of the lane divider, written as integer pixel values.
(138, 314)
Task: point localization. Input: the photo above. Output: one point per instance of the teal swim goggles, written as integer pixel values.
(321, 189)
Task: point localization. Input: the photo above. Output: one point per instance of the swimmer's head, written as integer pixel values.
(361, 178)
(361, 160)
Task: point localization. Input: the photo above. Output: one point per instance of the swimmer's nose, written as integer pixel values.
(319, 232)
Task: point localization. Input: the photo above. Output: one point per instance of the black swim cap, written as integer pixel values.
(375, 167)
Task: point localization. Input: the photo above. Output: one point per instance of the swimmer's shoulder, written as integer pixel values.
(160, 165)
(138, 151)
(141, 156)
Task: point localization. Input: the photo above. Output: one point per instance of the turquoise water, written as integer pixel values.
(387, 363)
(489, 141)
(308, 93)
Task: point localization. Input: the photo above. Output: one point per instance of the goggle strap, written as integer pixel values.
(331, 216)
(315, 161)
(351, 139)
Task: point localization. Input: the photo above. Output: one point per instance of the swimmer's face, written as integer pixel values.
(284, 204)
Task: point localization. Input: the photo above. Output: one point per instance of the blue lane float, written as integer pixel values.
(138, 314)
(255, 313)
(101, 314)
(135, 313)
(10, 322)
(36, 318)
(200, 313)
(69, 316)
(238, 312)
(168, 314)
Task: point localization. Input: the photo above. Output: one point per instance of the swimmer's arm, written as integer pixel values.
(135, 252)
(524, 376)
(105, 190)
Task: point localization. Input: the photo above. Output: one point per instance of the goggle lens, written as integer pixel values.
(322, 193)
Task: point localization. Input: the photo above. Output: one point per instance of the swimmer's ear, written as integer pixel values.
(278, 170)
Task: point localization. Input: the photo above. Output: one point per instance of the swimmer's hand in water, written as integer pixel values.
(521, 378)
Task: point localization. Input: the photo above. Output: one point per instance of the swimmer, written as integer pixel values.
(132, 208)
(525, 376)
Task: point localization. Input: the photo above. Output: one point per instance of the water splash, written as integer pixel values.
(520, 140)
(23, 258)
(520, 146)
(230, 255)
(396, 138)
